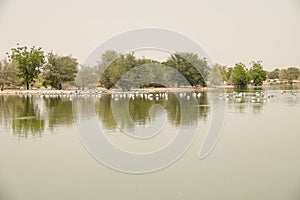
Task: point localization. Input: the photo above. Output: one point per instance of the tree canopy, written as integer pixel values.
(273, 74)
(257, 74)
(31, 67)
(217, 75)
(30, 62)
(240, 75)
(193, 68)
(87, 77)
(292, 73)
(8, 74)
(59, 70)
(289, 74)
(187, 66)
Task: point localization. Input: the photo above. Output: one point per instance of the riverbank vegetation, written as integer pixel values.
(33, 68)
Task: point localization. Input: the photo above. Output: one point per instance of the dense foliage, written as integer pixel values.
(30, 67)
(240, 75)
(127, 70)
(87, 77)
(193, 68)
(8, 74)
(59, 70)
(30, 62)
(257, 74)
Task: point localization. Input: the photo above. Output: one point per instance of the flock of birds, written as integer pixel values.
(134, 95)
(255, 97)
(114, 95)
(237, 96)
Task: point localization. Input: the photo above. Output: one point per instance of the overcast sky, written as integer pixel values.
(230, 31)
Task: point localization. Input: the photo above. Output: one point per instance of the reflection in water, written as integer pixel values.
(30, 116)
(22, 115)
(140, 104)
(59, 112)
(286, 86)
(263, 146)
(254, 100)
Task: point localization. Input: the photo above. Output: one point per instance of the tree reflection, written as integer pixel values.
(60, 112)
(103, 109)
(30, 116)
(22, 116)
(181, 111)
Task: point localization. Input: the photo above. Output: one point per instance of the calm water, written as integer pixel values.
(257, 156)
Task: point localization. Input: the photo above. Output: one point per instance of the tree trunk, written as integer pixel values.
(27, 85)
(2, 86)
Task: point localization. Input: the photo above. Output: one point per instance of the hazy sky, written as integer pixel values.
(230, 31)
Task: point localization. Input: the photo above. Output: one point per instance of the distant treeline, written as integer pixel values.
(32, 67)
(241, 76)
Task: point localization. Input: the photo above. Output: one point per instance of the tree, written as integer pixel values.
(240, 75)
(107, 60)
(200, 64)
(59, 70)
(257, 74)
(30, 62)
(292, 73)
(189, 65)
(274, 74)
(8, 74)
(283, 74)
(217, 75)
(229, 75)
(87, 77)
(115, 66)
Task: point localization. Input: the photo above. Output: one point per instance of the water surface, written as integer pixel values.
(257, 156)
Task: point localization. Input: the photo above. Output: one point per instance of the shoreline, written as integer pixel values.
(111, 91)
(100, 90)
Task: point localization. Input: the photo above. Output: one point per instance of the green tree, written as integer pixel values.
(60, 70)
(229, 75)
(146, 75)
(87, 77)
(257, 74)
(105, 66)
(114, 67)
(292, 73)
(283, 74)
(274, 74)
(8, 74)
(240, 75)
(217, 75)
(193, 68)
(30, 62)
(200, 64)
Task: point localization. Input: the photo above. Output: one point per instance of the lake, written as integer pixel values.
(256, 157)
